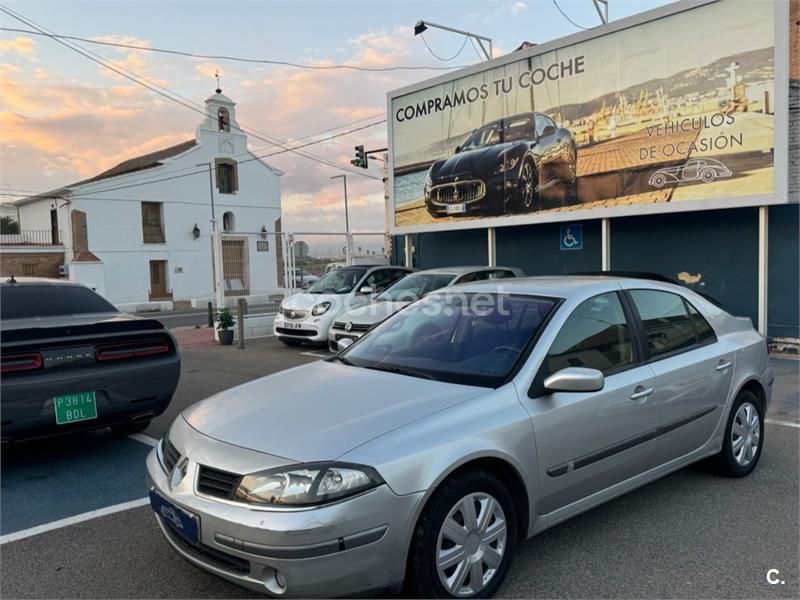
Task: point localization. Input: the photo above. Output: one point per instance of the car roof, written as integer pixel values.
(6, 281)
(564, 286)
(462, 270)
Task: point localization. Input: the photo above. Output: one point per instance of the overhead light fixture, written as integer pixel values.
(420, 27)
(484, 43)
(263, 232)
(195, 231)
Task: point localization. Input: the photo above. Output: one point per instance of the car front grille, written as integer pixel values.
(207, 554)
(297, 332)
(458, 192)
(354, 327)
(294, 315)
(169, 455)
(220, 484)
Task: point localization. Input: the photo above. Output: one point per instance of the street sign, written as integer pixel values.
(571, 237)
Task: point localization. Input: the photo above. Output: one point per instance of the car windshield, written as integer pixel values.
(413, 287)
(520, 128)
(31, 301)
(340, 281)
(489, 135)
(457, 337)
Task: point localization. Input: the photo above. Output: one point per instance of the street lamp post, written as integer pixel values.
(216, 242)
(348, 245)
(421, 26)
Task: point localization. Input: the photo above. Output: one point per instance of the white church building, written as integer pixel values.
(140, 232)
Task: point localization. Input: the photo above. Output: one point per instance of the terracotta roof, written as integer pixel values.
(85, 256)
(139, 163)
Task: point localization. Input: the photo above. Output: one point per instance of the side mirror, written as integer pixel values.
(549, 130)
(343, 344)
(366, 290)
(575, 379)
(458, 149)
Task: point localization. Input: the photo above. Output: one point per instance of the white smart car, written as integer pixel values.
(306, 317)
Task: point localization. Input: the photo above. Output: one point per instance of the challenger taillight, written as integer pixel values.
(131, 349)
(21, 362)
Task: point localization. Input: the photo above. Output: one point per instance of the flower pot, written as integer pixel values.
(225, 336)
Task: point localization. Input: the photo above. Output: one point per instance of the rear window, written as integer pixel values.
(667, 323)
(30, 301)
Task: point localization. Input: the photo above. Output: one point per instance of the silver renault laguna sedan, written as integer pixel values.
(474, 418)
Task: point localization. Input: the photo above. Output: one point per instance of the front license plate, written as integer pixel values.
(183, 523)
(455, 209)
(70, 408)
(293, 325)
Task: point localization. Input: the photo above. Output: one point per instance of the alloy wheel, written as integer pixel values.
(526, 177)
(745, 434)
(471, 544)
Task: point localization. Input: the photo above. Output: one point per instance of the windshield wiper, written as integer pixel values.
(403, 371)
(341, 359)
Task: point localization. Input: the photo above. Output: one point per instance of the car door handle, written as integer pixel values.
(641, 392)
(723, 364)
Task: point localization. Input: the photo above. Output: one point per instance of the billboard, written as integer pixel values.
(671, 110)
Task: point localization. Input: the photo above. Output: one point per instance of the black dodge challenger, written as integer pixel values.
(502, 167)
(71, 361)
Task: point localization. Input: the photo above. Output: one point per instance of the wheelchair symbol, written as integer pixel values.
(569, 239)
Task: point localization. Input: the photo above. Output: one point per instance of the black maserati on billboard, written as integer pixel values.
(502, 167)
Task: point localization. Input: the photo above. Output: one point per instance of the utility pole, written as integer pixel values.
(216, 242)
(348, 259)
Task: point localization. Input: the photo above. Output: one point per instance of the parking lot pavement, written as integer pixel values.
(691, 534)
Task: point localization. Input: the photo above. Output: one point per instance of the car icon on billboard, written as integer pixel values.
(694, 169)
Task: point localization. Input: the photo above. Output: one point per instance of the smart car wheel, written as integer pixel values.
(527, 185)
(744, 436)
(708, 175)
(464, 542)
(658, 180)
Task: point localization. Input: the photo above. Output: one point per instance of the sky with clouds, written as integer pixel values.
(64, 118)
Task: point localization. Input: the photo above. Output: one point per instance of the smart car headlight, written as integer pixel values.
(309, 484)
(320, 309)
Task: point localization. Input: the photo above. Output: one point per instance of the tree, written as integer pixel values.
(8, 225)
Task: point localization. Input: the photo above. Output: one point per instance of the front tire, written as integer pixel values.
(528, 182)
(464, 542)
(744, 437)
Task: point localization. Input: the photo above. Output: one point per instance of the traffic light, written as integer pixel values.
(361, 158)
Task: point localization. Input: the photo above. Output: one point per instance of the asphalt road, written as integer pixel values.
(691, 534)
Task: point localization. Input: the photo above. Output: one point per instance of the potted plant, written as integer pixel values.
(224, 325)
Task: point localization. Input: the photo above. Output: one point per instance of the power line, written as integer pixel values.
(436, 56)
(239, 58)
(187, 104)
(563, 14)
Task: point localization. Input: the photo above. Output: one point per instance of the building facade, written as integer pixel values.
(141, 233)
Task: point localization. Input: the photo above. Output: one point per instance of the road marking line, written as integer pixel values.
(316, 353)
(144, 439)
(61, 523)
(784, 423)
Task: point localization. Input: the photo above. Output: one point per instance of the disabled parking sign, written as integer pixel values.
(571, 237)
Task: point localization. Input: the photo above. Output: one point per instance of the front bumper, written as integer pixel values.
(334, 335)
(311, 329)
(339, 549)
(498, 188)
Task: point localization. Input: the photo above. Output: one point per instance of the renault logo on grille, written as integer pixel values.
(348, 326)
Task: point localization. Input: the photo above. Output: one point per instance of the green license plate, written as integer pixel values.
(80, 406)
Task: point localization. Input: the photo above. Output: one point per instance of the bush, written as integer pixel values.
(224, 319)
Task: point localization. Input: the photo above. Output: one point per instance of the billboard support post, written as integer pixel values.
(763, 243)
(491, 238)
(605, 242)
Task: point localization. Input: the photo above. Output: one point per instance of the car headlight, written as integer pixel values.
(320, 309)
(508, 164)
(309, 484)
